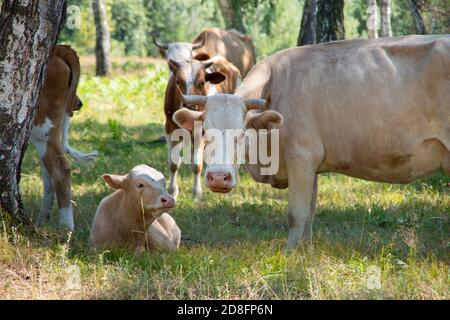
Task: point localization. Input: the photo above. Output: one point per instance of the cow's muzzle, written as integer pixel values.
(219, 181)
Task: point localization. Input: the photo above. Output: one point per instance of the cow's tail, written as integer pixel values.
(81, 157)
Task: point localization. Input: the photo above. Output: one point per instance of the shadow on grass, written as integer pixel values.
(219, 221)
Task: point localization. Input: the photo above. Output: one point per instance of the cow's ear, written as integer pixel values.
(185, 118)
(266, 120)
(215, 77)
(114, 181)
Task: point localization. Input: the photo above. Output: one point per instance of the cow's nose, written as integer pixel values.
(167, 201)
(219, 181)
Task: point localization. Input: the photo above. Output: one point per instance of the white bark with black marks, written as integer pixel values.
(385, 18)
(28, 32)
(372, 19)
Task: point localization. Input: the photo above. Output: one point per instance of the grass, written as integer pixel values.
(233, 245)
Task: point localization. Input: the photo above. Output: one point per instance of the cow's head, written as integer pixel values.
(143, 187)
(193, 78)
(226, 112)
(177, 51)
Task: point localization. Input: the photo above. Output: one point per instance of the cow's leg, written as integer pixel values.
(197, 166)
(174, 164)
(59, 171)
(49, 196)
(301, 175)
(307, 234)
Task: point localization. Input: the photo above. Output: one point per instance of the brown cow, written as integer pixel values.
(199, 78)
(50, 132)
(234, 46)
(371, 109)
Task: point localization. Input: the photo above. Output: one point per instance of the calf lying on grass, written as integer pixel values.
(136, 213)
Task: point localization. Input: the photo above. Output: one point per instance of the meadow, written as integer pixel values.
(232, 245)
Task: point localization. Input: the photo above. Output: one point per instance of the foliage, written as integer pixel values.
(273, 24)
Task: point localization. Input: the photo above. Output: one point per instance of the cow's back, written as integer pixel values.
(236, 47)
(378, 110)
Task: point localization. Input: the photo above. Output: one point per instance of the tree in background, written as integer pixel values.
(232, 12)
(419, 26)
(372, 19)
(330, 20)
(23, 67)
(385, 18)
(307, 34)
(102, 43)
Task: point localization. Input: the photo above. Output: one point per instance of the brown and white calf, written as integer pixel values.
(50, 132)
(199, 78)
(136, 214)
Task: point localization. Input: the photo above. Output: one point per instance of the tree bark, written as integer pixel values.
(232, 14)
(385, 19)
(330, 20)
(372, 19)
(419, 25)
(307, 33)
(28, 32)
(102, 43)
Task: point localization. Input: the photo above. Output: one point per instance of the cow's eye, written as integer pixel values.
(201, 84)
(140, 185)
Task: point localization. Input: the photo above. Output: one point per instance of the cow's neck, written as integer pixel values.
(257, 82)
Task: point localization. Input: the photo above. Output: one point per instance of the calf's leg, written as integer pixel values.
(308, 232)
(49, 196)
(59, 171)
(197, 166)
(301, 175)
(174, 164)
(164, 233)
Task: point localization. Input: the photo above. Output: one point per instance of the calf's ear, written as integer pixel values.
(114, 181)
(266, 120)
(215, 77)
(185, 118)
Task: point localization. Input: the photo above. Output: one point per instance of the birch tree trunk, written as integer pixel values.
(330, 20)
(385, 19)
(232, 14)
(372, 19)
(307, 34)
(102, 43)
(28, 32)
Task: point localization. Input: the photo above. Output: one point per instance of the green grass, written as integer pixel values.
(233, 245)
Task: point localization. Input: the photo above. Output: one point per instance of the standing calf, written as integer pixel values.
(195, 78)
(136, 213)
(50, 132)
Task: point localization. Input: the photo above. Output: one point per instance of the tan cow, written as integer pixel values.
(234, 46)
(136, 214)
(50, 132)
(371, 109)
(199, 78)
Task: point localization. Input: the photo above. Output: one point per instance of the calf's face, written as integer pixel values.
(143, 187)
(193, 78)
(225, 115)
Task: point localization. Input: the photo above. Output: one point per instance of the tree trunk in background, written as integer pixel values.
(419, 26)
(232, 14)
(385, 13)
(29, 30)
(372, 10)
(102, 43)
(330, 20)
(307, 33)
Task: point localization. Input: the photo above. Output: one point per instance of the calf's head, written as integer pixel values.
(193, 78)
(225, 115)
(144, 188)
